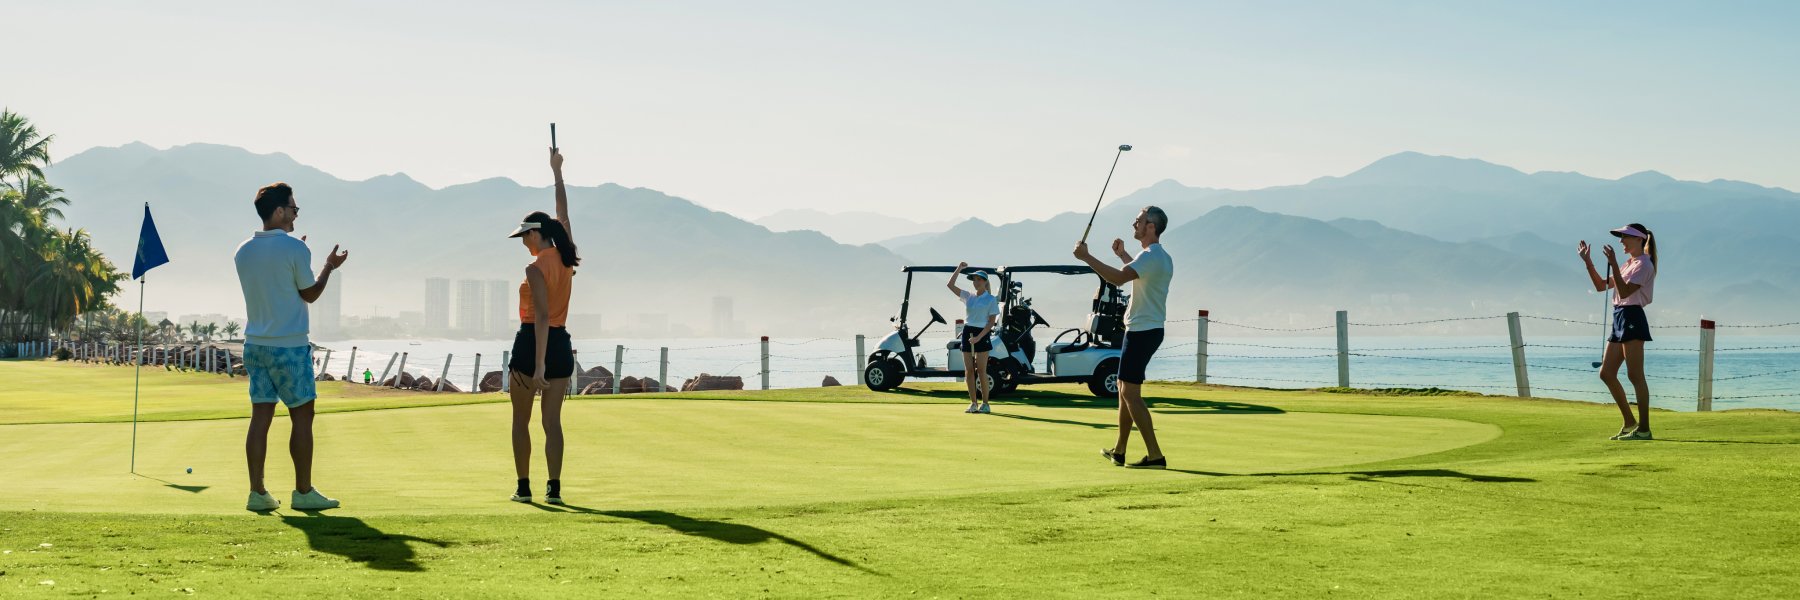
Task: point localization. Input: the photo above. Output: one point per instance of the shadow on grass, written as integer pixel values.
(191, 489)
(1056, 421)
(1728, 442)
(353, 539)
(732, 533)
(1377, 475)
(1052, 399)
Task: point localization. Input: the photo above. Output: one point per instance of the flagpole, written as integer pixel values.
(137, 374)
(150, 254)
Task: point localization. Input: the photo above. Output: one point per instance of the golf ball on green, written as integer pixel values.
(190, 469)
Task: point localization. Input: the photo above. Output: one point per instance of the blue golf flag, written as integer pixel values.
(150, 253)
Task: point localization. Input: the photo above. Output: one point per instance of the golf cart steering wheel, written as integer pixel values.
(1074, 342)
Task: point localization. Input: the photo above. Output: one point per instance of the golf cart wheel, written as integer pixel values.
(1105, 380)
(882, 375)
(1004, 380)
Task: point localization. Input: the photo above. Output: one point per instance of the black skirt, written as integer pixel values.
(559, 355)
(1629, 324)
(972, 341)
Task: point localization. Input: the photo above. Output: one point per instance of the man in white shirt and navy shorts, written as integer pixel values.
(275, 271)
(1149, 274)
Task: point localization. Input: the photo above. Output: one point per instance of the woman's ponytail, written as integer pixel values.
(1649, 243)
(559, 237)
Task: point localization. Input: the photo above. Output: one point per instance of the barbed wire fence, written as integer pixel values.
(1702, 382)
(766, 363)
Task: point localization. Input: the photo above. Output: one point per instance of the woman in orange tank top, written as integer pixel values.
(543, 358)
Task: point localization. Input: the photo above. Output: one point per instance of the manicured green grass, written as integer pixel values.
(44, 391)
(847, 493)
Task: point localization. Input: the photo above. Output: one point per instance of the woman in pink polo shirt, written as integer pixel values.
(1633, 284)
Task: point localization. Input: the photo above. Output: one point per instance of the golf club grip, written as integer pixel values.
(552, 136)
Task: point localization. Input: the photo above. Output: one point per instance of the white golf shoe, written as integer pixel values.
(312, 500)
(262, 502)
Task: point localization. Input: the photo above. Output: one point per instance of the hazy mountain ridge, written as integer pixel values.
(643, 251)
(850, 227)
(1475, 239)
(1718, 238)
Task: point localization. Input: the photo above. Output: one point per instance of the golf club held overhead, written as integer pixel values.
(1123, 148)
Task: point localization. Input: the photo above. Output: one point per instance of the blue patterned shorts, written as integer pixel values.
(280, 373)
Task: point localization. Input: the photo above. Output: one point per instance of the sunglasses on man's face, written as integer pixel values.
(294, 208)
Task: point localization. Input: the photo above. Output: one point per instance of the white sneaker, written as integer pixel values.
(970, 409)
(312, 500)
(262, 502)
(983, 410)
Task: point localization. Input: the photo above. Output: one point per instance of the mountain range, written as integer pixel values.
(1410, 236)
(1722, 244)
(851, 227)
(643, 252)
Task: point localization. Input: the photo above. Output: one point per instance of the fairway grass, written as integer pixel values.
(842, 492)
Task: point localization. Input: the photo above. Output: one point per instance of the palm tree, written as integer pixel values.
(231, 330)
(18, 248)
(210, 330)
(23, 239)
(193, 330)
(115, 325)
(40, 197)
(72, 278)
(50, 277)
(22, 150)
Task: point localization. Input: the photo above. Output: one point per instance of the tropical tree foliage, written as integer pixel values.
(23, 152)
(48, 277)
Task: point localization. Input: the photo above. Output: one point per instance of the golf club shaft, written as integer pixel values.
(1605, 312)
(1096, 213)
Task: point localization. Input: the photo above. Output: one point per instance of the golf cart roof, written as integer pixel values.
(1057, 269)
(944, 269)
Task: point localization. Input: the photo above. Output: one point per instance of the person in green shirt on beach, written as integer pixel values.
(368, 377)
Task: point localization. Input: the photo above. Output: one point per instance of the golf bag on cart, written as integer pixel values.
(1106, 325)
(1017, 323)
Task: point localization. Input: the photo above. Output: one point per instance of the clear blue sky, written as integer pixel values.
(933, 110)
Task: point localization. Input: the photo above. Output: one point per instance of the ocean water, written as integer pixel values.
(1761, 371)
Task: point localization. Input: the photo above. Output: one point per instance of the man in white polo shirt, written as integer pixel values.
(275, 271)
(1149, 274)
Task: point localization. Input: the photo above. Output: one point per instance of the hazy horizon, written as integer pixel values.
(1114, 193)
(925, 110)
(1383, 237)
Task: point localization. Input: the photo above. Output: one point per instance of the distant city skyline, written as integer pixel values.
(929, 111)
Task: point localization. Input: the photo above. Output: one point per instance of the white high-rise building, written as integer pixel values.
(469, 303)
(499, 300)
(721, 317)
(437, 305)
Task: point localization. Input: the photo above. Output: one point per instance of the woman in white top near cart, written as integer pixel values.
(1632, 283)
(983, 315)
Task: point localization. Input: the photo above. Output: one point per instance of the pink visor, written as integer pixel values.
(1629, 231)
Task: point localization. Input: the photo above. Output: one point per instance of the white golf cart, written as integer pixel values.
(1090, 355)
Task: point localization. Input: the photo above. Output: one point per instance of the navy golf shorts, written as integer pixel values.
(1134, 358)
